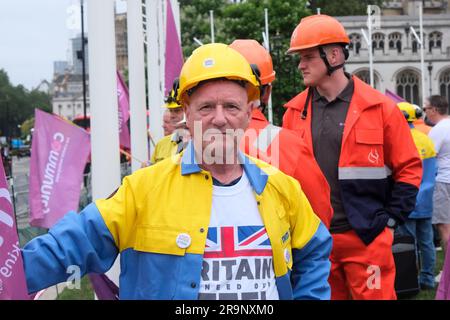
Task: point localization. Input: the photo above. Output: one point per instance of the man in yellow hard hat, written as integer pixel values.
(363, 146)
(418, 224)
(210, 223)
(175, 140)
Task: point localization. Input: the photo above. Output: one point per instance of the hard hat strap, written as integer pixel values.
(330, 69)
(305, 107)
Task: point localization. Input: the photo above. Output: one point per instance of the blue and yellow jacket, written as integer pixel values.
(142, 220)
(424, 200)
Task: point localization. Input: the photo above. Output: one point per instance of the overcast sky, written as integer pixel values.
(33, 34)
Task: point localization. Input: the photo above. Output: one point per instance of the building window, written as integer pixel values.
(59, 109)
(355, 43)
(395, 41)
(434, 40)
(78, 106)
(444, 84)
(408, 85)
(364, 75)
(377, 41)
(69, 107)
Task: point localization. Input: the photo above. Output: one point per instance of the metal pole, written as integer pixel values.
(369, 26)
(136, 67)
(422, 62)
(211, 19)
(84, 66)
(103, 96)
(154, 76)
(269, 105)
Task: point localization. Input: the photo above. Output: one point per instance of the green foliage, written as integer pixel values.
(26, 126)
(17, 104)
(245, 20)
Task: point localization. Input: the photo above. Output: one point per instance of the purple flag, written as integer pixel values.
(59, 151)
(124, 112)
(443, 290)
(174, 56)
(12, 276)
(104, 288)
(393, 96)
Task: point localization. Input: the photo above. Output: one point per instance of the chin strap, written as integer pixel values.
(330, 69)
(305, 107)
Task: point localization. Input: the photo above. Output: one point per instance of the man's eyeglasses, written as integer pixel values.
(427, 108)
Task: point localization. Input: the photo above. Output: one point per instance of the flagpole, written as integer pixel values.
(266, 20)
(136, 67)
(83, 52)
(422, 62)
(211, 19)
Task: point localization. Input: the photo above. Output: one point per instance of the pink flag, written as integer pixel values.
(174, 56)
(124, 112)
(393, 96)
(59, 151)
(12, 277)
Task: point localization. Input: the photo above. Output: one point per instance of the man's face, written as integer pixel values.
(217, 115)
(430, 112)
(168, 127)
(311, 66)
(176, 115)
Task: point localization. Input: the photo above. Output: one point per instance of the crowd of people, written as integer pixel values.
(233, 207)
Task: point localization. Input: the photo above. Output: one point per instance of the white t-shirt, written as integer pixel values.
(237, 263)
(440, 134)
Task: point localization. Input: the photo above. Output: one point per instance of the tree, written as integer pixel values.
(17, 104)
(245, 20)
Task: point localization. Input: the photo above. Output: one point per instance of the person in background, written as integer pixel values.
(363, 146)
(420, 124)
(418, 224)
(281, 147)
(436, 110)
(178, 136)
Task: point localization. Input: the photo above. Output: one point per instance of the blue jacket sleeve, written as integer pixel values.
(80, 240)
(311, 267)
(424, 201)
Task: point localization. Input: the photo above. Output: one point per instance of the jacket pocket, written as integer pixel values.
(369, 136)
(158, 239)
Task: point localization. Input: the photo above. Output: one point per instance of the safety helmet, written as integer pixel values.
(257, 54)
(214, 61)
(317, 30)
(171, 100)
(411, 112)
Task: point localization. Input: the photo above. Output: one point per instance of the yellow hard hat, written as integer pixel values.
(171, 99)
(214, 61)
(411, 112)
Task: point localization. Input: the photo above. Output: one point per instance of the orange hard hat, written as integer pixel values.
(317, 30)
(256, 54)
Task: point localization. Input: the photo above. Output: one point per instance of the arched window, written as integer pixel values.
(444, 84)
(395, 41)
(408, 84)
(365, 76)
(355, 43)
(378, 41)
(434, 40)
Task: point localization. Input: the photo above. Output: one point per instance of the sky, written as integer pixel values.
(33, 34)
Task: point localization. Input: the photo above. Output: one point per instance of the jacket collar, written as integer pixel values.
(363, 96)
(257, 177)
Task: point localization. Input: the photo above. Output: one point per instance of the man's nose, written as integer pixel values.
(219, 118)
